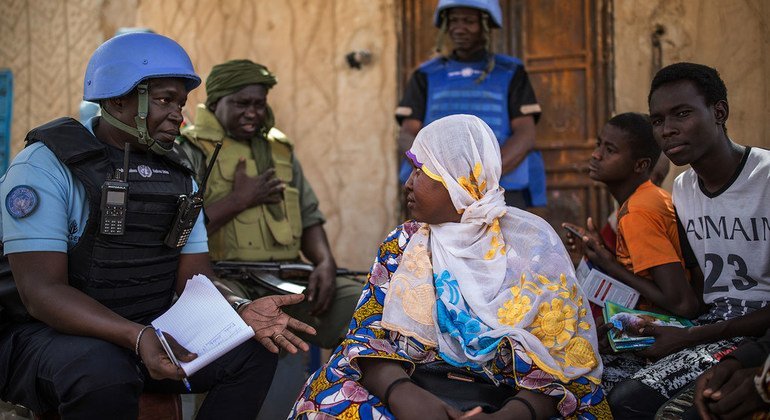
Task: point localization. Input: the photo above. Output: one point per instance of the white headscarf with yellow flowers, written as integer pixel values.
(501, 272)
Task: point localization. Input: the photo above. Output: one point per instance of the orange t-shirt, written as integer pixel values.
(647, 232)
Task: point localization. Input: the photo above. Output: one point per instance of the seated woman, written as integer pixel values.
(483, 287)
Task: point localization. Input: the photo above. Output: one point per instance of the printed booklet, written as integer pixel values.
(599, 287)
(627, 323)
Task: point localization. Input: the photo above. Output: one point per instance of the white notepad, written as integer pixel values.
(204, 323)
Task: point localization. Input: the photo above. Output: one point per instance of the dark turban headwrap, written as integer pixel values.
(232, 76)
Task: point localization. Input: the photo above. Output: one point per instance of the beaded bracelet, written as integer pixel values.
(532, 412)
(392, 386)
(139, 338)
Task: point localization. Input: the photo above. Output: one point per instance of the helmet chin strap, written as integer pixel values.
(140, 132)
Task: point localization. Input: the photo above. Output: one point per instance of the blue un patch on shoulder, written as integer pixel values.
(21, 201)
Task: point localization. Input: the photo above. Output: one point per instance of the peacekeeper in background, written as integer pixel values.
(473, 80)
(258, 204)
(87, 350)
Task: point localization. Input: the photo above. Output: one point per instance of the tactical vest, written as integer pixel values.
(133, 274)
(452, 89)
(254, 234)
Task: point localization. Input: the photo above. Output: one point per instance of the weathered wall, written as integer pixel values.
(46, 44)
(340, 118)
(732, 36)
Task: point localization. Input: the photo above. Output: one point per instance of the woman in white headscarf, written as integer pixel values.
(486, 288)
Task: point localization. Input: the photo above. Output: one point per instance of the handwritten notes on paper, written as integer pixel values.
(203, 322)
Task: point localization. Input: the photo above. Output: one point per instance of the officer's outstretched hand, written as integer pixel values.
(271, 325)
(158, 364)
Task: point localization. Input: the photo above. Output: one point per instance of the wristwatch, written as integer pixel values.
(238, 304)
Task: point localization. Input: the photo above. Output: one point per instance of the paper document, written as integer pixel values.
(600, 287)
(203, 322)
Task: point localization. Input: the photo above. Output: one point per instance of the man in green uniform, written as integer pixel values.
(259, 206)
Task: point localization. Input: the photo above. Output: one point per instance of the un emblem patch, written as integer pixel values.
(21, 201)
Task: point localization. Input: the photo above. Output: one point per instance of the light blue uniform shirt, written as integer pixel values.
(60, 217)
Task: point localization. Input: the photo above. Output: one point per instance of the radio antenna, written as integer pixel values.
(202, 187)
(126, 153)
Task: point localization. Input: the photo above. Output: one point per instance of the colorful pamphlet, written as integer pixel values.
(628, 322)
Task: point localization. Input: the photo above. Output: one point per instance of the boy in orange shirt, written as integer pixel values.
(647, 255)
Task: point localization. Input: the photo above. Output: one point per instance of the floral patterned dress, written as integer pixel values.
(334, 392)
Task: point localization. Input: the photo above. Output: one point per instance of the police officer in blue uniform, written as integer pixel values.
(93, 269)
(472, 80)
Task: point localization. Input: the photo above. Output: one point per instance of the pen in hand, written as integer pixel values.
(171, 356)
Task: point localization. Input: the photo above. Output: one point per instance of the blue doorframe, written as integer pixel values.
(6, 116)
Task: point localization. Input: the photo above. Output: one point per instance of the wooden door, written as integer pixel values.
(566, 47)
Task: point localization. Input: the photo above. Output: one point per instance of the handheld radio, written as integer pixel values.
(189, 209)
(114, 199)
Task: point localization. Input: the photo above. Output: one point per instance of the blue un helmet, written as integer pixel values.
(491, 16)
(124, 63)
(490, 7)
(89, 109)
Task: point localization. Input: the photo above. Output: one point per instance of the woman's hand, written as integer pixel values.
(408, 401)
(525, 404)
(405, 399)
(478, 414)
